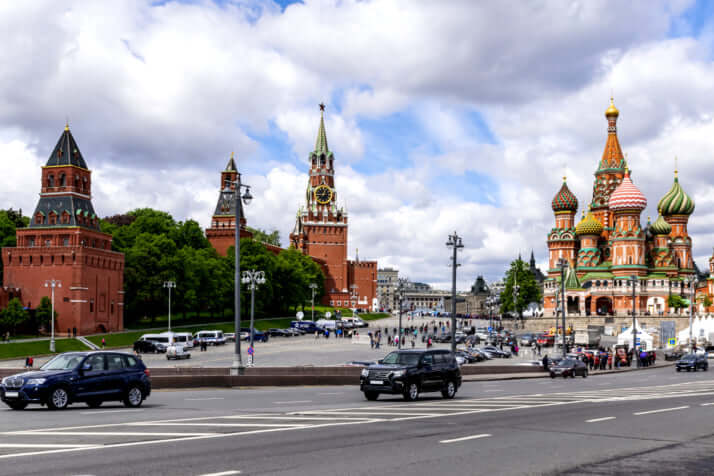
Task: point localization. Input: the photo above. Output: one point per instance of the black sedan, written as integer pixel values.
(569, 368)
(278, 333)
(496, 352)
(469, 357)
(149, 347)
(692, 362)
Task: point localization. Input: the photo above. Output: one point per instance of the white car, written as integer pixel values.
(177, 351)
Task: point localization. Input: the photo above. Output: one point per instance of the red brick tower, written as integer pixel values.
(321, 232)
(222, 233)
(64, 242)
(562, 242)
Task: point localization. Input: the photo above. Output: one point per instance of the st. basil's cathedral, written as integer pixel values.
(609, 245)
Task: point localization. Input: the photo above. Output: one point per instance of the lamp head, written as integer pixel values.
(247, 197)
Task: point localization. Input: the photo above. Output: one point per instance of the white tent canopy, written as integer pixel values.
(625, 337)
(702, 327)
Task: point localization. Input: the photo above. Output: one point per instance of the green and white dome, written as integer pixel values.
(676, 201)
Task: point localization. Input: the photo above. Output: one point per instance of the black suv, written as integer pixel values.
(90, 377)
(692, 362)
(410, 372)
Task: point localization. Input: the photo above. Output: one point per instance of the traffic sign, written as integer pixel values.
(328, 315)
(672, 342)
(490, 329)
(250, 351)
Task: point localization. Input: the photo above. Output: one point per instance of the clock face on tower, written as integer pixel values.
(323, 194)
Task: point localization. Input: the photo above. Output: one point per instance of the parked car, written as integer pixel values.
(306, 326)
(230, 336)
(693, 362)
(258, 336)
(481, 354)
(527, 339)
(177, 351)
(496, 352)
(410, 373)
(569, 368)
(183, 338)
(278, 333)
(294, 331)
(148, 346)
(468, 357)
(90, 377)
(355, 322)
(211, 337)
(675, 353)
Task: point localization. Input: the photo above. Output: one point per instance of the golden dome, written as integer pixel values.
(612, 110)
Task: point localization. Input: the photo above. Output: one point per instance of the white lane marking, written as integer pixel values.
(104, 433)
(35, 445)
(297, 418)
(109, 411)
(707, 404)
(661, 410)
(203, 399)
(223, 473)
(331, 393)
(472, 437)
(220, 424)
(293, 401)
(595, 420)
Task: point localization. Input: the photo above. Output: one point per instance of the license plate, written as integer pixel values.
(12, 394)
(376, 382)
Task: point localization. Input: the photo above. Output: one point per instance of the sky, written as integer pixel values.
(443, 116)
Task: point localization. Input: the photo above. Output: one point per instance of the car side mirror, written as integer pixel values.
(86, 368)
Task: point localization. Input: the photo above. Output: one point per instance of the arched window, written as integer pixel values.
(50, 180)
(62, 180)
(76, 181)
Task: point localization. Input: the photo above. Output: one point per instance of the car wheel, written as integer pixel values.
(689, 369)
(450, 390)
(585, 373)
(17, 405)
(59, 399)
(134, 396)
(371, 396)
(94, 403)
(705, 368)
(678, 369)
(412, 392)
(552, 375)
(572, 374)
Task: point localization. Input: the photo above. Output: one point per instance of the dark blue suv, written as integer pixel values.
(90, 377)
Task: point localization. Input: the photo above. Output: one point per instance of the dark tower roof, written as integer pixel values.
(231, 165)
(66, 152)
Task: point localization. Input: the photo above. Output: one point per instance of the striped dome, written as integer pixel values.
(564, 200)
(589, 225)
(627, 197)
(661, 227)
(676, 202)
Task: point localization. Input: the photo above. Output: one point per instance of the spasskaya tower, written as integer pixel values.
(321, 232)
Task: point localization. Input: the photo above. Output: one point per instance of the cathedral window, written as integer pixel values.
(322, 160)
(62, 180)
(39, 218)
(50, 180)
(76, 181)
(31, 242)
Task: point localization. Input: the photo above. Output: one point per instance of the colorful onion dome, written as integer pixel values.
(661, 227)
(627, 196)
(564, 200)
(589, 225)
(612, 110)
(676, 202)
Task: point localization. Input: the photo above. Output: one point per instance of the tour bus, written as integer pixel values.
(183, 338)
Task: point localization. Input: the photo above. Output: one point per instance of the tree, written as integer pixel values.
(528, 291)
(43, 313)
(10, 221)
(263, 236)
(13, 316)
(675, 301)
(707, 301)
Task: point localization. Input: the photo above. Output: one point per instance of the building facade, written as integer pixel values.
(609, 244)
(63, 242)
(222, 233)
(320, 231)
(387, 282)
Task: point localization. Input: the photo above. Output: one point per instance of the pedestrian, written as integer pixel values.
(609, 359)
(27, 362)
(545, 362)
(428, 343)
(585, 359)
(104, 343)
(69, 333)
(74, 332)
(396, 341)
(413, 343)
(30, 362)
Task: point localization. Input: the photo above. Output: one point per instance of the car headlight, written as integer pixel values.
(36, 381)
(365, 373)
(397, 373)
(3, 381)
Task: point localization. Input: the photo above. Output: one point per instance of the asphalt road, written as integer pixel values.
(649, 422)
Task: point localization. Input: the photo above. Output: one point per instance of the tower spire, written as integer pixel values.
(321, 142)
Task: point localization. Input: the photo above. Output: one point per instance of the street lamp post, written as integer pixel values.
(635, 354)
(252, 279)
(354, 295)
(313, 288)
(52, 284)
(516, 294)
(562, 264)
(402, 285)
(692, 283)
(455, 243)
(169, 285)
(234, 194)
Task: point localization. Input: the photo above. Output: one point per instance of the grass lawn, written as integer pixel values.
(127, 339)
(35, 348)
(373, 316)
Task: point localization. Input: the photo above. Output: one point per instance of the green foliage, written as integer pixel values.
(40, 347)
(14, 315)
(676, 301)
(10, 221)
(43, 313)
(519, 274)
(707, 301)
(263, 236)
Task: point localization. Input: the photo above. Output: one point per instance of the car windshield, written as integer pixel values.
(689, 357)
(567, 362)
(63, 362)
(401, 358)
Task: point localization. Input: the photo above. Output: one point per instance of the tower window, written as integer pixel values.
(50, 180)
(62, 180)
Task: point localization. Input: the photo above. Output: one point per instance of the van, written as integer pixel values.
(354, 321)
(211, 337)
(328, 324)
(307, 326)
(183, 338)
(162, 338)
